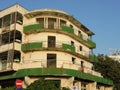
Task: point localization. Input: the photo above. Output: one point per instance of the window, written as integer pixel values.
(73, 60)
(51, 23)
(51, 41)
(82, 64)
(62, 23)
(80, 48)
(19, 18)
(79, 32)
(40, 20)
(71, 26)
(6, 20)
(51, 60)
(72, 43)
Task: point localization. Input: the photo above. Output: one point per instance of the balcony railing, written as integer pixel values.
(68, 47)
(93, 58)
(39, 45)
(91, 43)
(68, 29)
(32, 27)
(31, 46)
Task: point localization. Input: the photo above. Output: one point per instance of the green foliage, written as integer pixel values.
(9, 88)
(45, 85)
(109, 68)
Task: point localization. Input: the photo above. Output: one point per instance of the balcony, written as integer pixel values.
(68, 47)
(64, 30)
(93, 58)
(68, 29)
(91, 43)
(32, 27)
(31, 46)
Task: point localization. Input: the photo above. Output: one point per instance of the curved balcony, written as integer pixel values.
(62, 47)
(35, 28)
(39, 45)
(57, 71)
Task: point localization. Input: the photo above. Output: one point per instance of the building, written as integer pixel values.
(47, 43)
(115, 54)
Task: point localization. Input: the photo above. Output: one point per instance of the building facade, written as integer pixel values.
(47, 43)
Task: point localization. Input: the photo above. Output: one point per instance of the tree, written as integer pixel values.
(109, 68)
(43, 84)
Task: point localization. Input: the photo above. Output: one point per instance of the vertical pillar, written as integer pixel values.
(108, 88)
(67, 82)
(102, 88)
(46, 22)
(91, 86)
(78, 85)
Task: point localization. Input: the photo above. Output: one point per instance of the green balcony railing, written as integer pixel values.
(68, 47)
(68, 29)
(31, 46)
(93, 58)
(33, 27)
(91, 43)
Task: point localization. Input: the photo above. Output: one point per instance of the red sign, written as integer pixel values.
(18, 83)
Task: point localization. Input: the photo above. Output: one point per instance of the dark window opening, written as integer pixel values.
(80, 48)
(19, 18)
(51, 23)
(40, 20)
(51, 41)
(72, 43)
(71, 26)
(82, 64)
(51, 60)
(62, 23)
(8, 57)
(73, 60)
(9, 37)
(79, 32)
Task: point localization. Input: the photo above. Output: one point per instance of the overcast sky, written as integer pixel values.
(100, 16)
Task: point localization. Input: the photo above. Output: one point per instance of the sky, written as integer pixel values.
(100, 16)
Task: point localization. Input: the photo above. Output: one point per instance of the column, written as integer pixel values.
(91, 86)
(67, 82)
